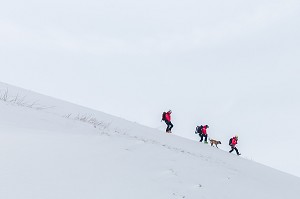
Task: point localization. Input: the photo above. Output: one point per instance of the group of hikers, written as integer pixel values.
(201, 130)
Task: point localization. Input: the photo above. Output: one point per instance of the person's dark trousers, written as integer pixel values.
(236, 150)
(203, 136)
(169, 126)
(200, 135)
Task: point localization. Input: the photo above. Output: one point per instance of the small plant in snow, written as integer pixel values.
(89, 119)
(20, 101)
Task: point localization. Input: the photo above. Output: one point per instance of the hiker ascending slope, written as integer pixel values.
(167, 118)
(233, 143)
(204, 134)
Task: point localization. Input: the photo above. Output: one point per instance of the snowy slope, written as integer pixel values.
(45, 152)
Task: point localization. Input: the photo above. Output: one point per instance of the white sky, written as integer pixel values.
(231, 64)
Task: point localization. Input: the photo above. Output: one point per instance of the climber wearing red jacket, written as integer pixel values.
(167, 118)
(204, 134)
(233, 143)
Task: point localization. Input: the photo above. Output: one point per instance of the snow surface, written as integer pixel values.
(45, 152)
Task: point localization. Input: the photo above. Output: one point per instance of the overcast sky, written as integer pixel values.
(231, 64)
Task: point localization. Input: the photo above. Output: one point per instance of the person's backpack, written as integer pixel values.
(230, 142)
(163, 118)
(199, 130)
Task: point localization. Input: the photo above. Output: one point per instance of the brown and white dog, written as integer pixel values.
(214, 142)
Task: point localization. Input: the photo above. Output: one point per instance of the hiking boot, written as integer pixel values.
(205, 142)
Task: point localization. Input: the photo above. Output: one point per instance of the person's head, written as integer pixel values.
(207, 126)
(170, 111)
(236, 137)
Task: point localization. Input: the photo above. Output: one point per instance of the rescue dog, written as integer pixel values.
(214, 142)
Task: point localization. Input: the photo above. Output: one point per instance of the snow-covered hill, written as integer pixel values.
(50, 149)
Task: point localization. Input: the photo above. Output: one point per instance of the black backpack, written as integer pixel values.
(163, 118)
(230, 141)
(199, 130)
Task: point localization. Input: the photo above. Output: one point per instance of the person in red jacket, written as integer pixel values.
(167, 119)
(204, 134)
(233, 143)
